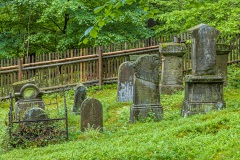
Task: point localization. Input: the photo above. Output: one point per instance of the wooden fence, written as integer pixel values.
(88, 65)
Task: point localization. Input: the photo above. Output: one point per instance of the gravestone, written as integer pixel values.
(35, 114)
(203, 49)
(221, 61)
(146, 97)
(91, 114)
(203, 89)
(17, 87)
(172, 72)
(80, 94)
(29, 98)
(125, 82)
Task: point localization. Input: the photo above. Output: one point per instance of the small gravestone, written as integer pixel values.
(146, 97)
(35, 114)
(91, 115)
(203, 89)
(172, 72)
(221, 61)
(125, 82)
(80, 94)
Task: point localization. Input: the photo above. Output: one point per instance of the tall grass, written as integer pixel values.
(215, 135)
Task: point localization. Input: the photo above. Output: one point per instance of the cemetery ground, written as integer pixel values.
(215, 135)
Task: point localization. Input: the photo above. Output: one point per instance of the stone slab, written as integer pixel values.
(125, 82)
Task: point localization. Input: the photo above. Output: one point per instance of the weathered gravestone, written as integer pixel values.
(125, 82)
(172, 73)
(80, 94)
(17, 86)
(203, 89)
(221, 61)
(91, 114)
(29, 98)
(35, 113)
(146, 97)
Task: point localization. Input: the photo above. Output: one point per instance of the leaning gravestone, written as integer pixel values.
(172, 72)
(91, 114)
(146, 97)
(80, 94)
(203, 89)
(125, 82)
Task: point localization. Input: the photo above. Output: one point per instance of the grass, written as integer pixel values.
(215, 135)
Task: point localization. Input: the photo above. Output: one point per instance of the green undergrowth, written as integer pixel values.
(214, 135)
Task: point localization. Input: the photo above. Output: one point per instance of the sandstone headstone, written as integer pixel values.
(125, 82)
(203, 49)
(80, 94)
(203, 89)
(91, 114)
(146, 97)
(221, 61)
(172, 73)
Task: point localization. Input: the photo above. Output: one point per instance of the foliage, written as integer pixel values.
(214, 135)
(33, 27)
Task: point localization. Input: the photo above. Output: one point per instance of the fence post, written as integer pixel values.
(100, 69)
(71, 67)
(20, 62)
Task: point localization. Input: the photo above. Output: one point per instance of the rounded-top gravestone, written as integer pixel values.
(29, 91)
(35, 113)
(125, 82)
(80, 94)
(91, 114)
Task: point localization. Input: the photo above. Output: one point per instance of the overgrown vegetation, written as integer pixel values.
(214, 135)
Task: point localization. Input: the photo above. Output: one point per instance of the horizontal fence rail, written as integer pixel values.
(94, 65)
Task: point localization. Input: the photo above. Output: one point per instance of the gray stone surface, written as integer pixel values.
(221, 61)
(91, 114)
(146, 97)
(203, 94)
(203, 49)
(125, 82)
(172, 73)
(80, 94)
(203, 89)
(35, 113)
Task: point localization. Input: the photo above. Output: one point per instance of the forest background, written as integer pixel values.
(35, 27)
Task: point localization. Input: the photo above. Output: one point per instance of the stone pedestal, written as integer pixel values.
(146, 97)
(172, 73)
(202, 94)
(203, 89)
(221, 61)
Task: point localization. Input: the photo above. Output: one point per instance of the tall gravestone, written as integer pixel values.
(91, 114)
(80, 94)
(146, 96)
(203, 89)
(172, 72)
(125, 82)
(221, 61)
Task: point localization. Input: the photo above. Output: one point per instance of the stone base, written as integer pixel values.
(170, 89)
(202, 94)
(141, 112)
(190, 108)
